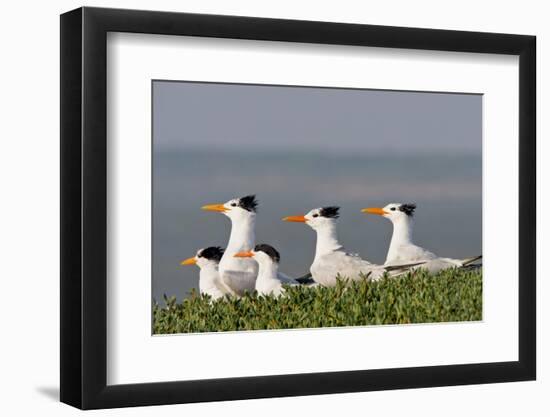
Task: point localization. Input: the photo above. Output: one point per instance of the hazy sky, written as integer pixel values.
(231, 116)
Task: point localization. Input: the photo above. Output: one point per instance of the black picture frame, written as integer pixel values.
(84, 207)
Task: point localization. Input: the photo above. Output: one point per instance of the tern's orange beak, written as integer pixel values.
(298, 219)
(215, 207)
(245, 254)
(189, 261)
(374, 210)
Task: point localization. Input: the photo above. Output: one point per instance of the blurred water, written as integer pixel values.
(447, 189)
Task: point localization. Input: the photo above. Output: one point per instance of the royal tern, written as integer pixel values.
(402, 249)
(269, 281)
(239, 274)
(207, 260)
(331, 259)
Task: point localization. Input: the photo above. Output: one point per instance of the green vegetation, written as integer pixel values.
(451, 295)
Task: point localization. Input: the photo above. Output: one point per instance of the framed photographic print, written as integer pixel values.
(258, 207)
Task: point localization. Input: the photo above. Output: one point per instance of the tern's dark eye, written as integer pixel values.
(233, 204)
(392, 209)
(315, 215)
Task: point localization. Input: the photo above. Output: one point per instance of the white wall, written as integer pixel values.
(29, 256)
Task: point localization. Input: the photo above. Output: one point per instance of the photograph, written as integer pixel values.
(285, 204)
(285, 207)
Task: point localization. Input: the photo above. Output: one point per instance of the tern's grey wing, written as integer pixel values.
(411, 253)
(224, 288)
(239, 281)
(348, 266)
(285, 279)
(305, 279)
(440, 264)
(470, 261)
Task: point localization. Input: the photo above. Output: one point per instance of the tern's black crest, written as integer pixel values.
(270, 250)
(213, 253)
(408, 209)
(248, 203)
(330, 212)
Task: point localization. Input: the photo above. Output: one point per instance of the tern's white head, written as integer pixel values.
(263, 254)
(237, 208)
(393, 211)
(205, 257)
(317, 218)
